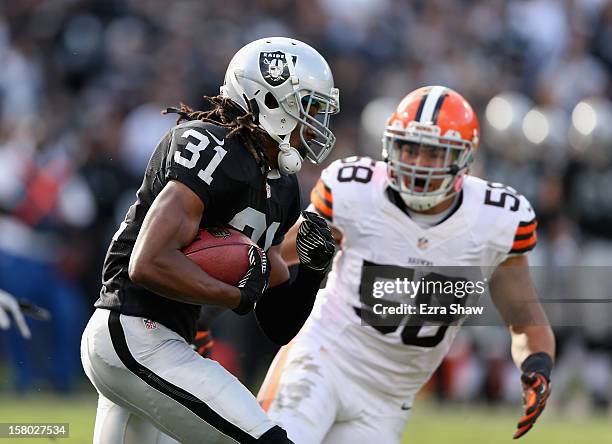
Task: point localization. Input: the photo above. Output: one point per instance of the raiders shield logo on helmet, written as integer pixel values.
(273, 66)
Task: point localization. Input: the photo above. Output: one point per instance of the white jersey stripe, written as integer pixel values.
(430, 104)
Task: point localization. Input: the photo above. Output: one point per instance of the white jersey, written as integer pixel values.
(490, 223)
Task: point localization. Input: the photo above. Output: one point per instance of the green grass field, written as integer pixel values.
(430, 424)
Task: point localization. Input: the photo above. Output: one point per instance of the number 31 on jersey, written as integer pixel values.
(202, 142)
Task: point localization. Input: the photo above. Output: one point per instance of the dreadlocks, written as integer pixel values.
(225, 112)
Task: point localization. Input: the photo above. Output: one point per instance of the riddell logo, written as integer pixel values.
(149, 324)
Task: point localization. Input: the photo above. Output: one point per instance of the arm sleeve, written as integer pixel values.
(282, 310)
(196, 159)
(293, 216)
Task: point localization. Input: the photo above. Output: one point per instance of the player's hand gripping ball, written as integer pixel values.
(223, 253)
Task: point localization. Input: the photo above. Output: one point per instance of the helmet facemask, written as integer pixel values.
(314, 117)
(424, 167)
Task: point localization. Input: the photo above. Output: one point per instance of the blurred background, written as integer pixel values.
(82, 84)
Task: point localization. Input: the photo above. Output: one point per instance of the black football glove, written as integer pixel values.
(254, 282)
(536, 390)
(203, 343)
(314, 242)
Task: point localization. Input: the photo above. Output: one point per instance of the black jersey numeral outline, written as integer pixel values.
(356, 173)
(495, 199)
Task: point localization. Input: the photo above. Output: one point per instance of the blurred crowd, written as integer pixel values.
(82, 84)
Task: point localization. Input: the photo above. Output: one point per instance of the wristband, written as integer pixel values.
(245, 306)
(540, 362)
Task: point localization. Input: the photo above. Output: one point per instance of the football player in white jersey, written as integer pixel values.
(343, 381)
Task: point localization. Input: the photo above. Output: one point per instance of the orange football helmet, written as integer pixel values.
(429, 143)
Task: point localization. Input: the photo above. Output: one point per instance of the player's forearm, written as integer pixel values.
(527, 340)
(172, 275)
(282, 310)
(156, 261)
(288, 249)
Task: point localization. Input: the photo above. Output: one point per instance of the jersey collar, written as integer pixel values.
(397, 200)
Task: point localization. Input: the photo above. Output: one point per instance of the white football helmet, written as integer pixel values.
(285, 82)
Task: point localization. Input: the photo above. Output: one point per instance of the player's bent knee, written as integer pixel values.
(275, 435)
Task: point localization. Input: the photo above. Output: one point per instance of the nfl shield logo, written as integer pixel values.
(273, 67)
(422, 243)
(149, 324)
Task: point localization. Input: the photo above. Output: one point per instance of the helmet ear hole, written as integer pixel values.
(270, 101)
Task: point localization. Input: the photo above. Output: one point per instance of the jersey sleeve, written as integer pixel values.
(347, 190)
(196, 159)
(322, 195)
(322, 200)
(503, 218)
(513, 232)
(525, 237)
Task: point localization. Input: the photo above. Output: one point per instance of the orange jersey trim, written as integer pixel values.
(527, 229)
(524, 244)
(321, 198)
(324, 191)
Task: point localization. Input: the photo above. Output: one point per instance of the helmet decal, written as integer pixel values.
(274, 67)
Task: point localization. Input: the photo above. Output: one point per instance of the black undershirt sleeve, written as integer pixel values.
(282, 310)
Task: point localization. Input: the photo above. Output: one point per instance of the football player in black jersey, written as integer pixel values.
(231, 165)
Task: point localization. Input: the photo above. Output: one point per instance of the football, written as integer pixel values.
(220, 252)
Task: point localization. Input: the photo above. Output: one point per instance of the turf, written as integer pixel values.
(433, 424)
(430, 423)
(78, 412)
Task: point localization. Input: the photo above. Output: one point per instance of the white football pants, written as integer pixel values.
(316, 402)
(153, 386)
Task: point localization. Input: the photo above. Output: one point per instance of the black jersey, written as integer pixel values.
(235, 192)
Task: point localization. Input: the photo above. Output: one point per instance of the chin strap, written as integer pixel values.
(289, 158)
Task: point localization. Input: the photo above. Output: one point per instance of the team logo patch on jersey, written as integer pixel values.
(149, 324)
(274, 67)
(220, 233)
(422, 243)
